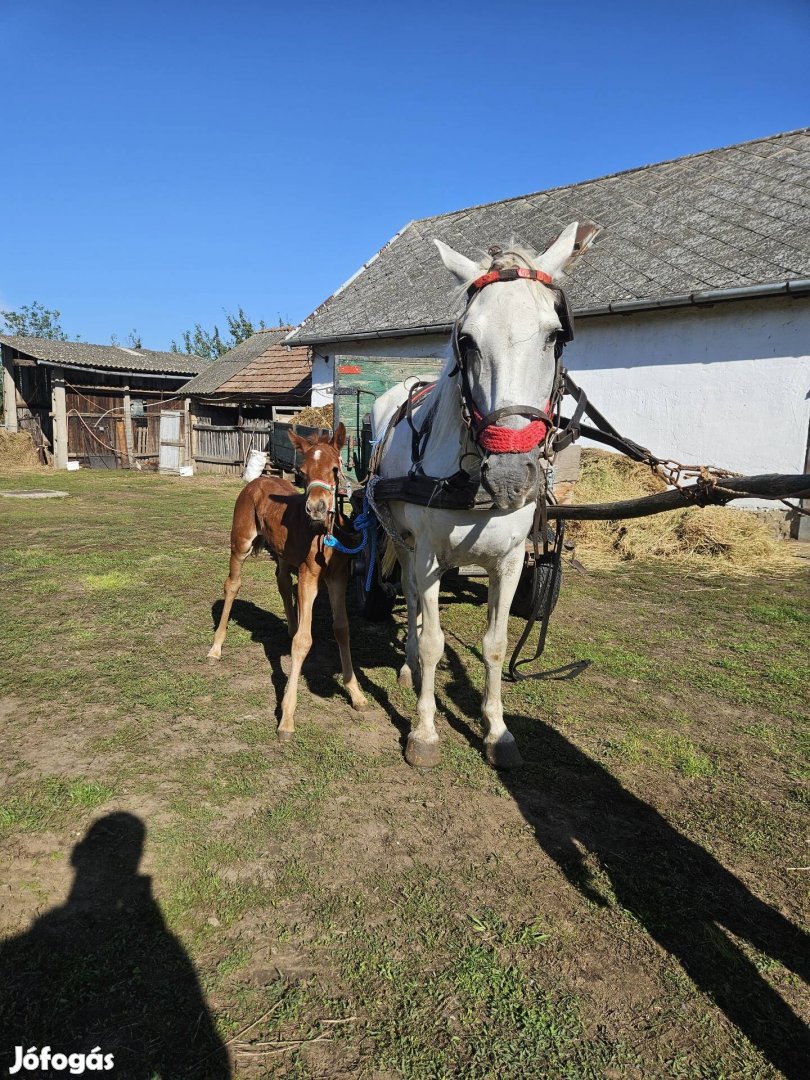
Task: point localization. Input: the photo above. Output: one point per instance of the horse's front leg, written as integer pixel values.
(423, 742)
(301, 644)
(499, 743)
(409, 672)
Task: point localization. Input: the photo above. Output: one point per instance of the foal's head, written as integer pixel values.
(321, 470)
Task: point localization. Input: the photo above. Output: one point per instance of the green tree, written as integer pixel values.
(34, 320)
(210, 343)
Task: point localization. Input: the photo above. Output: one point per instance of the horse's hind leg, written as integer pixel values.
(499, 743)
(301, 644)
(422, 750)
(240, 549)
(285, 587)
(336, 584)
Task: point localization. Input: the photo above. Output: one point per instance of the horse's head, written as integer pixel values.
(505, 348)
(321, 470)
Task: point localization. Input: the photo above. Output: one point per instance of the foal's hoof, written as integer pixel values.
(283, 735)
(214, 653)
(405, 677)
(360, 704)
(504, 753)
(422, 755)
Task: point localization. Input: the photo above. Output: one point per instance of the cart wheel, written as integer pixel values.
(522, 603)
(376, 605)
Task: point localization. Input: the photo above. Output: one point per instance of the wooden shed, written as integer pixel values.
(103, 406)
(236, 399)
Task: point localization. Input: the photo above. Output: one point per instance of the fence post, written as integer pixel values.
(59, 414)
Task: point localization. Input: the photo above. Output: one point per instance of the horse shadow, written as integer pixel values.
(104, 971)
(687, 901)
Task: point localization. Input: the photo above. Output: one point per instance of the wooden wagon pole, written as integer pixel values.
(766, 486)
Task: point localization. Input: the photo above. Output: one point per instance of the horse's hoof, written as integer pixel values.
(503, 754)
(284, 736)
(422, 755)
(405, 677)
(359, 704)
(214, 653)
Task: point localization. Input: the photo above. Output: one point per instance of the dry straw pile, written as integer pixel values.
(314, 416)
(714, 536)
(17, 451)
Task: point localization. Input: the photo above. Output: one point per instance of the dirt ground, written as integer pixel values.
(181, 890)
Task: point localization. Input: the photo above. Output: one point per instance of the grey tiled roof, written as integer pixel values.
(112, 357)
(722, 219)
(220, 371)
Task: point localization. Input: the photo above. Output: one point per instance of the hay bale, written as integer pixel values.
(17, 450)
(317, 416)
(714, 536)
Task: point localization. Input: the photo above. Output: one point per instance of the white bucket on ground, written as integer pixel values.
(186, 470)
(254, 467)
(72, 466)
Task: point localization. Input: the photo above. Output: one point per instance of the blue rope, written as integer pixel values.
(366, 523)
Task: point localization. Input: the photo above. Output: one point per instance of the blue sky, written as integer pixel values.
(166, 160)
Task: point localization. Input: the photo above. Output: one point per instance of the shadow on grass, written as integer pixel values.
(687, 901)
(103, 970)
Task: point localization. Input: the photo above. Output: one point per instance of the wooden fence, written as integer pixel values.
(223, 448)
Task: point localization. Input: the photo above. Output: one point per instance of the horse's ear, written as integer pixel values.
(339, 438)
(462, 268)
(560, 253)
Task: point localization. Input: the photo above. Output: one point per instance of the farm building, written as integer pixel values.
(692, 304)
(103, 406)
(235, 399)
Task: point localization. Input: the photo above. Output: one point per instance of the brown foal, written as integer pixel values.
(271, 513)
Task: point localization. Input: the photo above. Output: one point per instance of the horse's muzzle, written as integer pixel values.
(511, 479)
(317, 510)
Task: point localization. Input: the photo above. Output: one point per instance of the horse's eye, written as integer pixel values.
(552, 337)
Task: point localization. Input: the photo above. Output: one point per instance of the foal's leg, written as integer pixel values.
(336, 584)
(410, 669)
(240, 549)
(285, 587)
(301, 644)
(423, 742)
(499, 744)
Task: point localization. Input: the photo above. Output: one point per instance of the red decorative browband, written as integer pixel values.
(512, 273)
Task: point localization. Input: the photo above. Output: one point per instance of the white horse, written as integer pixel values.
(505, 344)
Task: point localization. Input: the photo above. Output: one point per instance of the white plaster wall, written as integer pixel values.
(727, 385)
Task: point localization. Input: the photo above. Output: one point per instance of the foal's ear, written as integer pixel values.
(462, 268)
(299, 443)
(339, 437)
(555, 257)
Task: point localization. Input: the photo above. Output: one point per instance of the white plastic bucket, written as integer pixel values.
(186, 470)
(254, 467)
(72, 466)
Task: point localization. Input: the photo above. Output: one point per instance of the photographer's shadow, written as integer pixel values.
(103, 970)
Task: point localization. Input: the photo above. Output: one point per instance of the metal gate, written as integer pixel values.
(171, 441)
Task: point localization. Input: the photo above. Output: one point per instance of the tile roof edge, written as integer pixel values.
(787, 287)
(291, 339)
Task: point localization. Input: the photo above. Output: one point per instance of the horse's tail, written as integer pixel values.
(389, 559)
